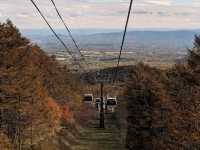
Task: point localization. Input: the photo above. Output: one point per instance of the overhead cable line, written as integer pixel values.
(102, 81)
(124, 36)
(56, 35)
(67, 28)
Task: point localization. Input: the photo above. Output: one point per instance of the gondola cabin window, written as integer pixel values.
(111, 102)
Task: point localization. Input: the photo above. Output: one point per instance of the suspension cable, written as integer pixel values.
(67, 28)
(55, 34)
(123, 39)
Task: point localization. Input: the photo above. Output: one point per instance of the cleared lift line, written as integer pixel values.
(56, 35)
(76, 45)
(67, 28)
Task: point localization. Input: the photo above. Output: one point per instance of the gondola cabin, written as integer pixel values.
(111, 104)
(88, 98)
(98, 104)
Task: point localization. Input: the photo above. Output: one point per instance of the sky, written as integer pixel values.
(169, 14)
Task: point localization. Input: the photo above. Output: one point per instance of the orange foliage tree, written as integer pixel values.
(54, 110)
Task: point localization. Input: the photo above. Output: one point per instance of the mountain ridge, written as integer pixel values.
(150, 41)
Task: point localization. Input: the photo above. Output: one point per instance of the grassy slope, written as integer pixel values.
(94, 138)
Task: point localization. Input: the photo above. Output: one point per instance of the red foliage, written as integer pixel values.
(67, 114)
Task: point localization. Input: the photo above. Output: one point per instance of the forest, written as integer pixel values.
(41, 100)
(37, 94)
(163, 105)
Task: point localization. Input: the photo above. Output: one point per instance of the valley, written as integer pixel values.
(101, 47)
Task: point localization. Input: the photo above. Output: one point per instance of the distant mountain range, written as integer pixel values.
(176, 41)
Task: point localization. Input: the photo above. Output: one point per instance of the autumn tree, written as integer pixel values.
(33, 86)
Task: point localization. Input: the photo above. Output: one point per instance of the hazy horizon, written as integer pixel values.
(108, 30)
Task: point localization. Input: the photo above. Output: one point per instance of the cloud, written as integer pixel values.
(196, 2)
(104, 13)
(159, 2)
(142, 12)
(23, 15)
